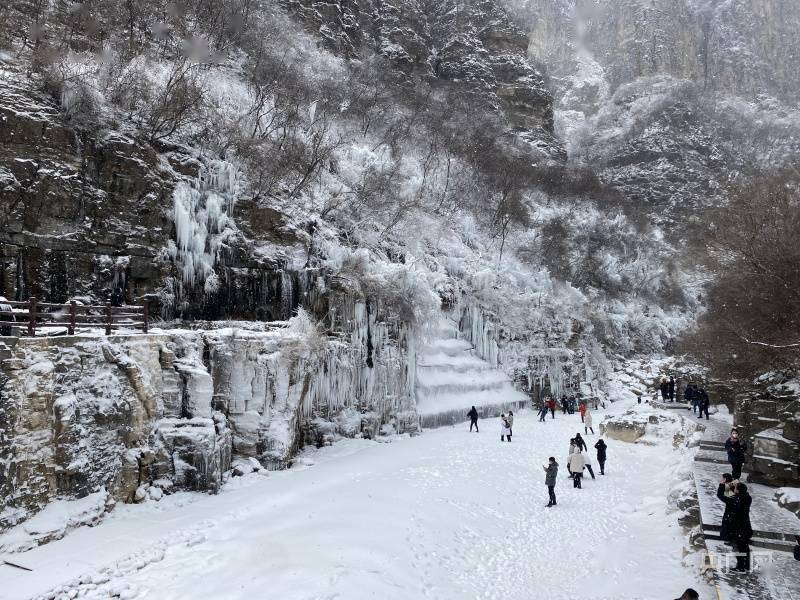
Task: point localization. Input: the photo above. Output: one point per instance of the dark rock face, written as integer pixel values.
(769, 414)
(472, 43)
(86, 212)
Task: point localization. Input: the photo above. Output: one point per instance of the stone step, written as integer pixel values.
(768, 543)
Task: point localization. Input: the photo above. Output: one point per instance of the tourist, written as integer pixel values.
(505, 431)
(688, 396)
(543, 411)
(797, 547)
(579, 442)
(664, 388)
(600, 446)
(582, 410)
(510, 419)
(689, 594)
(726, 526)
(587, 461)
(671, 389)
(473, 419)
(736, 453)
(587, 422)
(564, 404)
(741, 530)
(551, 404)
(551, 471)
(576, 464)
(702, 402)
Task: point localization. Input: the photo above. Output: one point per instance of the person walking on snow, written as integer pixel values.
(600, 446)
(579, 442)
(587, 422)
(564, 404)
(505, 431)
(671, 389)
(551, 404)
(473, 419)
(736, 453)
(542, 412)
(688, 396)
(576, 464)
(582, 410)
(664, 388)
(551, 471)
(587, 461)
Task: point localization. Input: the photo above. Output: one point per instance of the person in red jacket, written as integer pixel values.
(582, 410)
(551, 404)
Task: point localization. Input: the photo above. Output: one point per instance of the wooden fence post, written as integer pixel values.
(144, 310)
(32, 316)
(108, 318)
(72, 311)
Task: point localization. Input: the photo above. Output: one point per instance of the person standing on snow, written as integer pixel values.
(671, 389)
(742, 531)
(579, 442)
(510, 419)
(564, 404)
(473, 419)
(702, 402)
(576, 464)
(726, 526)
(504, 430)
(543, 411)
(551, 471)
(688, 396)
(582, 410)
(587, 422)
(600, 446)
(664, 388)
(736, 453)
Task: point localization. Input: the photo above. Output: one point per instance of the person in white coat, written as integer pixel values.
(587, 422)
(576, 464)
(505, 430)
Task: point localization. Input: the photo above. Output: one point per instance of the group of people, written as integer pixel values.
(578, 460)
(568, 406)
(698, 398)
(692, 394)
(735, 528)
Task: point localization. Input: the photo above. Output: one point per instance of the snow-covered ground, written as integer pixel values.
(447, 514)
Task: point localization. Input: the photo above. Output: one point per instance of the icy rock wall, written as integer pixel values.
(80, 414)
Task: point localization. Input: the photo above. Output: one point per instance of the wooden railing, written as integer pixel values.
(46, 314)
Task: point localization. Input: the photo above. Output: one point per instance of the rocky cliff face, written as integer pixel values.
(474, 45)
(126, 414)
(84, 212)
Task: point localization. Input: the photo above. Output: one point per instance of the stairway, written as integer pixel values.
(451, 378)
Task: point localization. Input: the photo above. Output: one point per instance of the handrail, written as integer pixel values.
(73, 314)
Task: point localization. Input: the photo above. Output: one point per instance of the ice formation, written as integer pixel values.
(203, 217)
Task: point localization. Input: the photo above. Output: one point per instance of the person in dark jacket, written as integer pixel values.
(702, 403)
(473, 419)
(726, 526)
(600, 446)
(551, 471)
(689, 594)
(579, 442)
(797, 548)
(688, 397)
(664, 388)
(742, 531)
(671, 389)
(736, 453)
(564, 404)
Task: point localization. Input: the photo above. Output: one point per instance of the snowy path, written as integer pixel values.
(444, 515)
